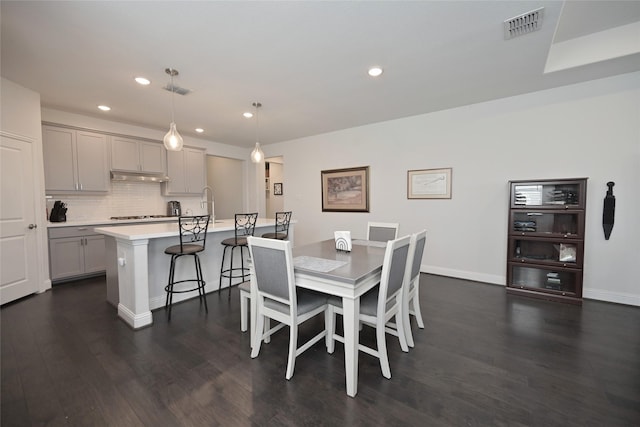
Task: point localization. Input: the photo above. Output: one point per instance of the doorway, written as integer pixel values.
(225, 177)
(274, 188)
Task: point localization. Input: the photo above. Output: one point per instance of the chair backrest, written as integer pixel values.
(273, 268)
(282, 222)
(418, 242)
(394, 268)
(245, 224)
(382, 231)
(193, 230)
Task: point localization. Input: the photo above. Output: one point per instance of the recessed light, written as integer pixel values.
(248, 114)
(143, 81)
(104, 107)
(199, 130)
(375, 71)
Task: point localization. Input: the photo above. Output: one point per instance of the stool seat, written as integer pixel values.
(184, 250)
(193, 236)
(278, 236)
(232, 241)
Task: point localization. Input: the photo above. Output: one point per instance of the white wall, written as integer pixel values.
(584, 130)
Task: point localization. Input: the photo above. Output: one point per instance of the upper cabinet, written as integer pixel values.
(74, 161)
(186, 170)
(133, 155)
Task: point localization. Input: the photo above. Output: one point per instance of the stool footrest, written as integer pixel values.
(199, 286)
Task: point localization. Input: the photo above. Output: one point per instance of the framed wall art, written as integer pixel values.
(277, 189)
(429, 184)
(345, 190)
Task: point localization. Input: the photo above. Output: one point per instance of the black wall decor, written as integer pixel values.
(608, 210)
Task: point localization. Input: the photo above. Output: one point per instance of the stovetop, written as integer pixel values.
(139, 217)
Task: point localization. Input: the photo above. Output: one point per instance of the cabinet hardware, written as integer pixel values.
(32, 226)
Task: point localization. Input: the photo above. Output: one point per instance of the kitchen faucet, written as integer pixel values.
(205, 201)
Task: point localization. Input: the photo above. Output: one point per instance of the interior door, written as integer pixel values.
(18, 245)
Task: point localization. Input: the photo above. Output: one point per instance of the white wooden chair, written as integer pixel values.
(278, 298)
(379, 305)
(412, 284)
(382, 231)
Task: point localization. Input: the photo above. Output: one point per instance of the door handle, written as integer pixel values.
(32, 226)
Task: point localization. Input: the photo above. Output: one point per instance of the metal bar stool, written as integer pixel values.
(245, 225)
(193, 236)
(282, 227)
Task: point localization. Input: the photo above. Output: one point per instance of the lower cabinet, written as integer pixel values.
(75, 252)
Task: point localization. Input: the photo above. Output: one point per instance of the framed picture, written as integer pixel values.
(277, 189)
(345, 190)
(429, 184)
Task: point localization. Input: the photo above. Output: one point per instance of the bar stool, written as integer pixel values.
(193, 236)
(245, 225)
(282, 227)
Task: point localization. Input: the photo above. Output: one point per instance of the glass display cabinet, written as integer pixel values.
(546, 239)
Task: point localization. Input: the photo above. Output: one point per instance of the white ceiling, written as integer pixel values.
(305, 61)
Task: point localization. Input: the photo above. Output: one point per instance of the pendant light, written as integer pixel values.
(257, 155)
(172, 140)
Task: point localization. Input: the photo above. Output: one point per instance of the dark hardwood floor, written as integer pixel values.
(484, 359)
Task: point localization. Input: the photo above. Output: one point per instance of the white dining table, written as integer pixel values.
(354, 274)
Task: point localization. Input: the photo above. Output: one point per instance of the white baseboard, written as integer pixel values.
(461, 274)
(608, 296)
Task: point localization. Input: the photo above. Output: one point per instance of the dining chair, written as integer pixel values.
(411, 288)
(278, 298)
(378, 305)
(382, 231)
(245, 225)
(193, 237)
(281, 230)
(412, 299)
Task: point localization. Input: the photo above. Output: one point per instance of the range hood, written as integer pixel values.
(138, 176)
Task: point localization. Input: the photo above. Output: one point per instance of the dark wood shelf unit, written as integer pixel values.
(545, 249)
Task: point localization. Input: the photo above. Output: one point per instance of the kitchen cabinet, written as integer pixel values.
(131, 155)
(187, 172)
(545, 252)
(75, 252)
(75, 161)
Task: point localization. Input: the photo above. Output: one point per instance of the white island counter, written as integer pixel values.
(138, 268)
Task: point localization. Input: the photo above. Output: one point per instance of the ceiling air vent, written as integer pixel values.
(523, 24)
(176, 89)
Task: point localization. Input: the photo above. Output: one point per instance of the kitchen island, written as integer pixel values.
(138, 268)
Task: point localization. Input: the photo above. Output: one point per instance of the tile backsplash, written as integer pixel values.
(125, 198)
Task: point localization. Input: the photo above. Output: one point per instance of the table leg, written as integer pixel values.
(351, 309)
(253, 305)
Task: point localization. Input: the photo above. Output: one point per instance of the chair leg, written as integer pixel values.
(416, 306)
(330, 325)
(244, 302)
(293, 346)
(258, 333)
(407, 322)
(382, 349)
(402, 330)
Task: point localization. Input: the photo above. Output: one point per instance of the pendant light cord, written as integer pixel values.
(173, 92)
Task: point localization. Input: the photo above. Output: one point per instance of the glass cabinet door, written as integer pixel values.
(561, 281)
(565, 224)
(544, 251)
(551, 194)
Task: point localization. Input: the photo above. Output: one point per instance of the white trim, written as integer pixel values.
(616, 297)
(468, 275)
